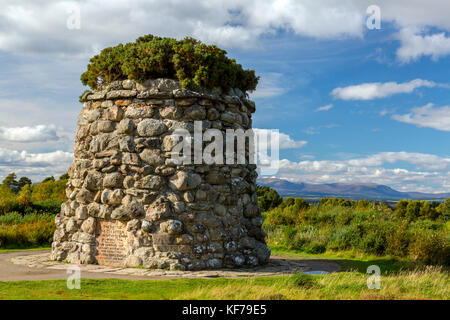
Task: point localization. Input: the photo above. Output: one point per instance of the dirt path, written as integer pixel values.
(35, 265)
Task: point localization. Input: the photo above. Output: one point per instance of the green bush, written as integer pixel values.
(47, 206)
(398, 239)
(25, 235)
(429, 247)
(444, 210)
(316, 247)
(412, 230)
(193, 63)
(342, 238)
(289, 234)
(344, 217)
(268, 198)
(373, 242)
(12, 218)
(49, 190)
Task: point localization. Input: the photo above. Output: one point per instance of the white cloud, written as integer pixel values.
(230, 23)
(24, 158)
(39, 133)
(34, 165)
(285, 141)
(374, 90)
(270, 85)
(430, 172)
(325, 108)
(416, 45)
(427, 116)
(40, 27)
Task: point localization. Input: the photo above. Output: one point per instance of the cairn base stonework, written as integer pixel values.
(129, 204)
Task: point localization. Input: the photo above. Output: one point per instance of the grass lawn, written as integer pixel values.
(400, 280)
(3, 250)
(429, 284)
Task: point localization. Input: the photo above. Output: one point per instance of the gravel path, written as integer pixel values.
(35, 265)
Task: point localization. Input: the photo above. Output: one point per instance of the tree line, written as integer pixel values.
(23, 196)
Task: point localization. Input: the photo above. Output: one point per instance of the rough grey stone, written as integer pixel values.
(152, 157)
(151, 128)
(113, 180)
(183, 180)
(126, 144)
(172, 226)
(152, 182)
(126, 126)
(139, 112)
(106, 126)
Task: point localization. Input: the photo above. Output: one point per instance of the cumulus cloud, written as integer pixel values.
(374, 90)
(228, 23)
(24, 158)
(285, 141)
(427, 116)
(430, 172)
(34, 165)
(324, 108)
(415, 45)
(41, 26)
(39, 133)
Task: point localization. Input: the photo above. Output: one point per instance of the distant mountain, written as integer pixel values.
(356, 191)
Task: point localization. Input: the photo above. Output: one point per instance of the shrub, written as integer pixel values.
(409, 231)
(289, 234)
(444, 210)
(315, 247)
(49, 190)
(429, 247)
(287, 216)
(24, 196)
(26, 235)
(301, 280)
(193, 63)
(398, 239)
(287, 202)
(400, 208)
(337, 202)
(47, 206)
(268, 198)
(373, 242)
(342, 238)
(17, 218)
(7, 199)
(413, 210)
(343, 217)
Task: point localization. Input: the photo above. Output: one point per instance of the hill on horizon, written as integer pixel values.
(356, 191)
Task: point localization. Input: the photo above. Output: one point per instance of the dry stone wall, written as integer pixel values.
(131, 205)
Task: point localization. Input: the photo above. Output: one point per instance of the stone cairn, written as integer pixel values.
(130, 205)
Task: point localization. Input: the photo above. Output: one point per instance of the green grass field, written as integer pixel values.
(401, 279)
(356, 235)
(428, 284)
(3, 250)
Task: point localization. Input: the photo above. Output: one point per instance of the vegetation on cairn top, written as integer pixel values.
(194, 63)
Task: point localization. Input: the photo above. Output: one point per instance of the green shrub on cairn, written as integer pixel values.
(194, 63)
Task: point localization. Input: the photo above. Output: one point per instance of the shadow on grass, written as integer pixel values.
(349, 261)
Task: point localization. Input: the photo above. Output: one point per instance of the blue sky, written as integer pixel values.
(353, 104)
